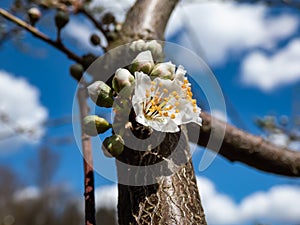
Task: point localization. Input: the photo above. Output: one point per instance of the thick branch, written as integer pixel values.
(88, 163)
(252, 150)
(35, 32)
(148, 19)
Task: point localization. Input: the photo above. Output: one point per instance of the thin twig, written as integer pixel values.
(88, 163)
(95, 22)
(35, 32)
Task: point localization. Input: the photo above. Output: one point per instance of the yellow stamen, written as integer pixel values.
(186, 81)
(165, 90)
(172, 116)
(166, 114)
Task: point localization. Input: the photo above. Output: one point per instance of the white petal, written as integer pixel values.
(180, 73)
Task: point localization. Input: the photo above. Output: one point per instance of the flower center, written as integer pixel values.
(160, 103)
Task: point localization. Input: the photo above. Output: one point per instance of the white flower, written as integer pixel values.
(164, 104)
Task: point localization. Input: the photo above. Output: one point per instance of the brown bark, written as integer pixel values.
(87, 162)
(252, 150)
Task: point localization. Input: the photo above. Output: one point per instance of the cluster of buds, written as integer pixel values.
(153, 46)
(159, 93)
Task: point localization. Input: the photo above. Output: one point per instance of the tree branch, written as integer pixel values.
(95, 22)
(148, 19)
(35, 32)
(249, 149)
(88, 163)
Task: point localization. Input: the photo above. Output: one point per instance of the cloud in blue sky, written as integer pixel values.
(280, 204)
(226, 27)
(269, 71)
(21, 109)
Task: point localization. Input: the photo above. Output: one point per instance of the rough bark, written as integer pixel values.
(158, 186)
(252, 150)
(88, 163)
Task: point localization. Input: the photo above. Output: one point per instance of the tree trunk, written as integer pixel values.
(157, 185)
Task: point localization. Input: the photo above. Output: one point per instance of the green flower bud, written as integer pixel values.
(108, 18)
(88, 59)
(61, 19)
(143, 62)
(34, 15)
(95, 39)
(154, 47)
(123, 78)
(94, 125)
(164, 70)
(113, 146)
(76, 70)
(101, 94)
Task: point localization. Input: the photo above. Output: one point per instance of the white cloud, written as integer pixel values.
(279, 139)
(106, 197)
(27, 193)
(268, 72)
(219, 115)
(20, 102)
(80, 32)
(279, 204)
(117, 7)
(225, 27)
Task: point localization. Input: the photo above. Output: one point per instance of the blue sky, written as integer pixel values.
(271, 39)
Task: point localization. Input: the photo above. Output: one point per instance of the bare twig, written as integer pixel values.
(88, 163)
(93, 19)
(35, 32)
(249, 149)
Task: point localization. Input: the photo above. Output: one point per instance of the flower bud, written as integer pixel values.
(101, 94)
(138, 45)
(61, 19)
(108, 18)
(94, 125)
(164, 70)
(123, 78)
(143, 62)
(88, 59)
(154, 47)
(113, 146)
(95, 39)
(76, 70)
(34, 15)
